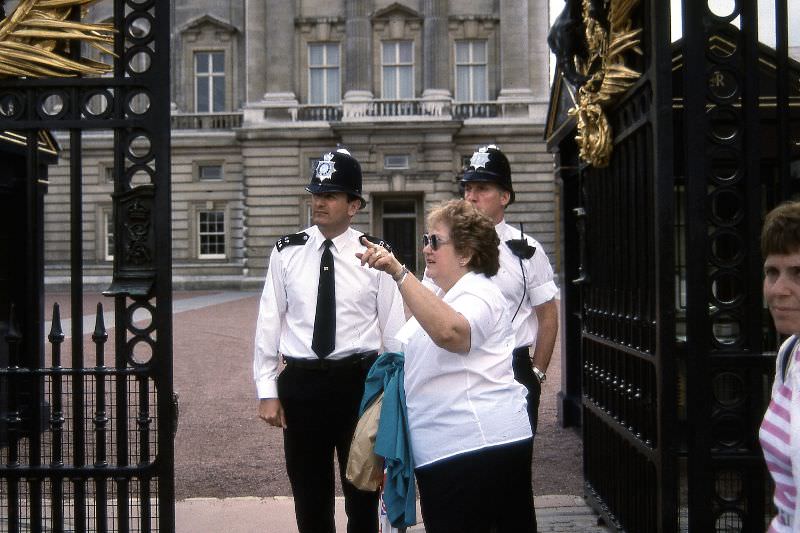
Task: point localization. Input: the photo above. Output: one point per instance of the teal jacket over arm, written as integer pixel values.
(393, 442)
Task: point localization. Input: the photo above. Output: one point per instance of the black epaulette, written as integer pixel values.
(295, 239)
(521, 248)
(379, 242)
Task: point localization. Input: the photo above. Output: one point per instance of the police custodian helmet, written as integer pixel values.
(337, 171)
(491, 165)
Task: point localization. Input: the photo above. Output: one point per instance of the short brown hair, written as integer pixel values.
(472, 232)
(781, 232)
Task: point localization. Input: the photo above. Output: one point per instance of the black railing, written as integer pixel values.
(327, 113)
(206, 121)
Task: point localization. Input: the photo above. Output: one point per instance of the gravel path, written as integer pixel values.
(223, 450)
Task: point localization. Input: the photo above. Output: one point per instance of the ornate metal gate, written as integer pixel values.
(741, 118)
(668, 346)
(87, 420)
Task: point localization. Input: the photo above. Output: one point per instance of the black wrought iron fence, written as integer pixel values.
(88, 417)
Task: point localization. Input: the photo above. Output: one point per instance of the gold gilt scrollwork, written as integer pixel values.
(606, 73)
(35, 37)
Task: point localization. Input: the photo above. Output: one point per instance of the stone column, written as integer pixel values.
(255, 38)
(279, 25)
(270, 61)
(358, 51)
(539, 55)
(515, 75)
(435, 52)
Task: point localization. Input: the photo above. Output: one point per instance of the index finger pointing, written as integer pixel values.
(366, 242)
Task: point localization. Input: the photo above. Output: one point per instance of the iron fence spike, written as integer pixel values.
(13, 334)
(56, 334)
(100, 333)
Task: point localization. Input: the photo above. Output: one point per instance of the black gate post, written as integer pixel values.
(667, 318)
(104, 461)
(663, 199)
(738, 125)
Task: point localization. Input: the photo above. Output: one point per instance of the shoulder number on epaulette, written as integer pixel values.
(379, 242)
(295, 239)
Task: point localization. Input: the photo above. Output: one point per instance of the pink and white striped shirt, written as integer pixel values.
(775, 437)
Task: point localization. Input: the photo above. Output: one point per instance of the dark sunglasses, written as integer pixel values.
(434, 240)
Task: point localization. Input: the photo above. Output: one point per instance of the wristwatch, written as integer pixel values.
(541, 376)
(400, 277)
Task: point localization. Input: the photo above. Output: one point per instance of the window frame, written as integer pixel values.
(470, 65)
(221, 77)
(199, 212)
(404, 166)
(198, 171)
(106, 238)
(326, 68)
(398, 65)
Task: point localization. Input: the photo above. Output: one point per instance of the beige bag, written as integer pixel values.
(364, 468)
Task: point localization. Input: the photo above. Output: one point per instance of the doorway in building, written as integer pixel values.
(398, 221)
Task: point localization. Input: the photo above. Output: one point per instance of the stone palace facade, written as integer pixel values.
(261, 88)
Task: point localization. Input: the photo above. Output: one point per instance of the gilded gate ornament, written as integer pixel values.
(594, 61)
(36, 35)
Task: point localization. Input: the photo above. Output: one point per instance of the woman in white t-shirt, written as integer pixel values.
(470, 435)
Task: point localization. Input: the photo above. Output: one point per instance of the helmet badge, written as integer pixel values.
(325, 167)
(479, 159)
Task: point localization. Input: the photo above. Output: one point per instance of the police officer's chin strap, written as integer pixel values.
(522, 250)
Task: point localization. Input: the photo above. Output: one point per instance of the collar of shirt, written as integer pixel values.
(340, 243)
(506, 231)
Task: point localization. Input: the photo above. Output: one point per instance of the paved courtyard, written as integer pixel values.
(225, 458)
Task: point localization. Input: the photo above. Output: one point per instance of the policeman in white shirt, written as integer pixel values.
(326, 317)
(525, 277)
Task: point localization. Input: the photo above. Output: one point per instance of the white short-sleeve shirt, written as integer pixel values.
(369, 308)
(463, 402)
(524, 293)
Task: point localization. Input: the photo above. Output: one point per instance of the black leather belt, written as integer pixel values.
(521, 352)
(358, 360)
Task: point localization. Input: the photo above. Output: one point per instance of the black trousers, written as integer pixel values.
(488, 490)
(321, 408)
(523, 373)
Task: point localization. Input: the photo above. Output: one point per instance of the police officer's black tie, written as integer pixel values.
(324, 337)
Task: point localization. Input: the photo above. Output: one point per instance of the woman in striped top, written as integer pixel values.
(780, 430)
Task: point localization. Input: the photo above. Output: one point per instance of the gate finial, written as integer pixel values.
(30, 38)
(595, 63)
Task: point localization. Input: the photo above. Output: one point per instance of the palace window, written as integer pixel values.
(396, 161)
(471, 71)
(209, 76)
(324, 86)
(397, 70)
(211, 234)
(209, 172)
(108, 235)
